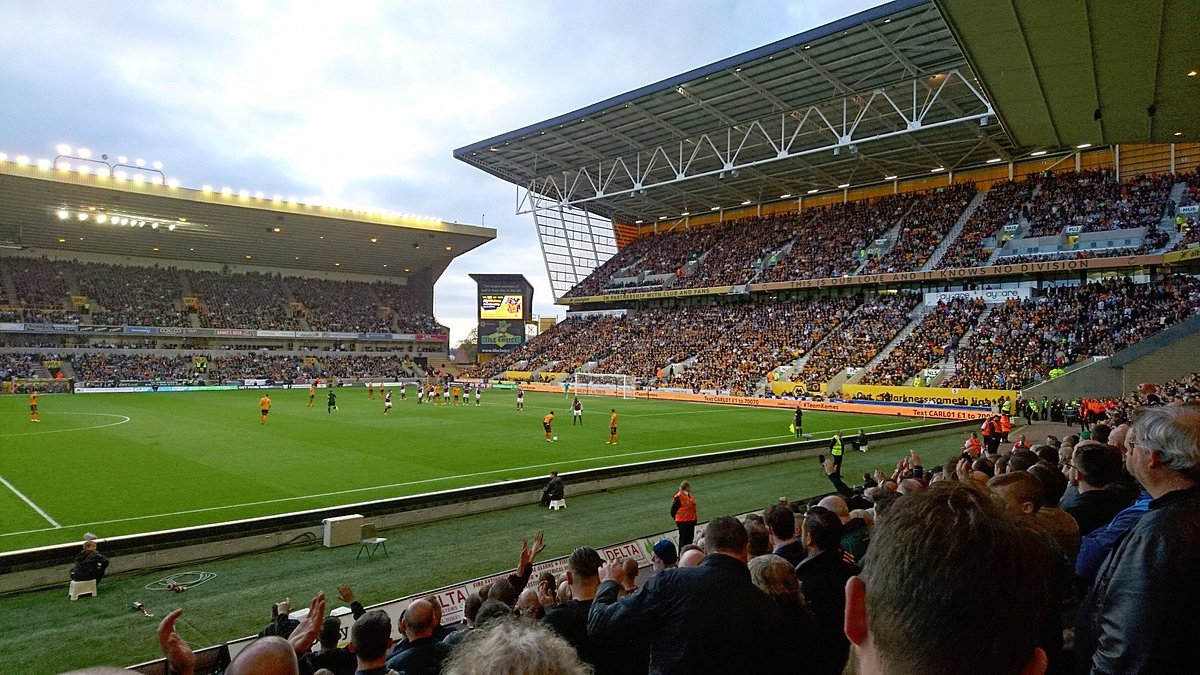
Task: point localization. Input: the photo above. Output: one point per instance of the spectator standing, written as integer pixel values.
(823, 576)
(694, 616)
(1132, 619)
(683, 510)
(915, 576)
(424, 652)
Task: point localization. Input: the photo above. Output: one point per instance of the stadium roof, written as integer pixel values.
(894, 91)
(1069, 72)
(41, 208)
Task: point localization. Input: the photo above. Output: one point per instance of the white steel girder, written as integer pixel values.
(796, 133)
(574, 242)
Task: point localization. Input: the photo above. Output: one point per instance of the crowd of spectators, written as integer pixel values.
(937, 334)
(752, 340)
(1021, 341)
(922, 230)
(1099, 527)
(21, 365)
(338, 306)
(240, 300)
(41, 287)
(858, 339)
(1004, 204)
(117, 295)
(566, 351)
(834, 241)
(111, 367)
(408, 314)
(743, 246)
(1097, 202)
(123, 295)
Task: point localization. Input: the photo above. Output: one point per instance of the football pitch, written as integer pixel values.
(117, 464)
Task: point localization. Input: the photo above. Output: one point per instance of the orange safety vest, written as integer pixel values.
(687, 508)
(1005, 424)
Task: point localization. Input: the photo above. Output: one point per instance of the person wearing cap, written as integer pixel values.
(89, 563)
(665, 556)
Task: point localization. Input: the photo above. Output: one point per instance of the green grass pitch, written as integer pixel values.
(119, 464)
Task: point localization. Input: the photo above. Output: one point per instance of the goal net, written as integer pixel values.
(607, 384)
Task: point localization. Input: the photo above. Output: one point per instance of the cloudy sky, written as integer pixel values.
(355, 103)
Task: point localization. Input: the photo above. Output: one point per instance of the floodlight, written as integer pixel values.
(63, 214)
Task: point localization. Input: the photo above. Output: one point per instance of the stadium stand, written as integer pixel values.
(1019, 342)
(840, 240)
(119, 295)
(1096, 201)
(1004, 204)
(938, 333)
(858, 339)
(922, 229)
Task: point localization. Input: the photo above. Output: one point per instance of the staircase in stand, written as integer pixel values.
(952, 235)
(918, 315)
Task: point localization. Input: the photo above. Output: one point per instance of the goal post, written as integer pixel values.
(602, 384)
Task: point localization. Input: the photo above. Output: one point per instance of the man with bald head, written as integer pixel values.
(1133, 619)
(691, 556)
(855, 536)
(265, 656)
(425, 652)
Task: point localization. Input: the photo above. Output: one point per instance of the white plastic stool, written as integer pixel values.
(558, 504)
(79, 588)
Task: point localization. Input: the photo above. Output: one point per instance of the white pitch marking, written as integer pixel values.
(29, 501)
(416, 482)
(124, 419)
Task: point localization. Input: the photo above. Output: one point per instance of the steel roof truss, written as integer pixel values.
(612, 177)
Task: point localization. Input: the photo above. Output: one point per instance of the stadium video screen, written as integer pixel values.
(507, 306)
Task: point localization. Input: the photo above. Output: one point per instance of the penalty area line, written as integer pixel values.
(29, 501)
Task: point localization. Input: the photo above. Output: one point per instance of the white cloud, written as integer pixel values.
(358, 103)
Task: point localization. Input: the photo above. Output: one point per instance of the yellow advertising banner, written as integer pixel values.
(518, 375)
(830, 406)
(1181, 256)
(980, 398)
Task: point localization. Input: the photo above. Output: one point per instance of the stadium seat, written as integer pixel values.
(371, 542)
(558, 504)
(79, 588)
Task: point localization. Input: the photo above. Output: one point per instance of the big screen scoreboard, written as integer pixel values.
(504, 303)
